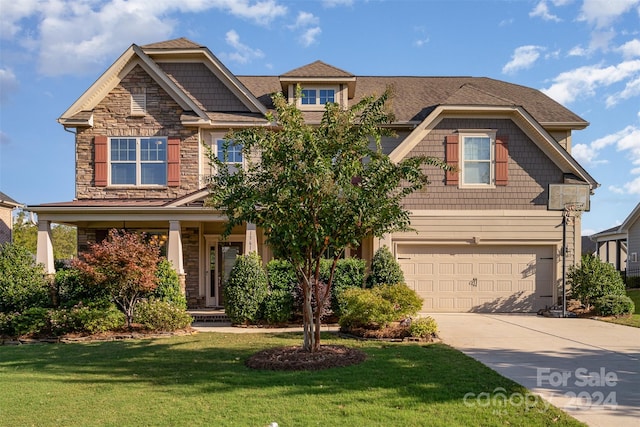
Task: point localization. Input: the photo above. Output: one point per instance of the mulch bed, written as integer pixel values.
(294, 358)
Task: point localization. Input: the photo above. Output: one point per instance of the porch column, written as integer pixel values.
(44, 251)
(174, 247)
(385, 240)
(251, 239)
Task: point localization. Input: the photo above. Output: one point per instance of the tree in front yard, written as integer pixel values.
(125, 264)
(318, 189)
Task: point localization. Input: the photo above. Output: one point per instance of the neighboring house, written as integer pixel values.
(620, 245)
(485, 237)
(7, 205)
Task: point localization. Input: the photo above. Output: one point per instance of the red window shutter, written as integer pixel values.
(502, 160)
(100, 162)
(173, 162)
(452, 156)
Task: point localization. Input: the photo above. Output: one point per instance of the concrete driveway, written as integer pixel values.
(588, 368)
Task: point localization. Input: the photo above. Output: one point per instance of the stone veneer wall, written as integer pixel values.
(112, 117)
(191, 251)
(530, 172)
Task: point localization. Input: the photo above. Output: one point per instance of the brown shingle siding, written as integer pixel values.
(530, 172)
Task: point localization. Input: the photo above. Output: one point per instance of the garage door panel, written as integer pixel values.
(480, 278)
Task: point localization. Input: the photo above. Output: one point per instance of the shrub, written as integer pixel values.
(74, 287)
(95, 318)
(384, 269)
(594, 279)
(246, 289)
(125, 264)
(168, 288)
(378, 306)
(22, 282)
(364, 308)
(159, 315)
(277, 307)
(33, 321)
(614, 305)
(6, 324)
(405, 300)
(423, 327)
(349, 274)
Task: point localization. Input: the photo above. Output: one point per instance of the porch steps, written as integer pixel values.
(209, 316)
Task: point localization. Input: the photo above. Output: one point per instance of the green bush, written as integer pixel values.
(33, 321)
(405, 300)
(246, 289)
(384, 269)
(6, 324)
(594, 279)
(168, 288)
(158, 315)
(423, 327)
(74, 287)
(377, 307)
(364, 309)
(277, 306)
(22, 282)
(94, 318)
(614, 305)
(349, 274)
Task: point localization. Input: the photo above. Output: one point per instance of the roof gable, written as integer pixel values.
(633, 217)
(318, 69)
(180, 43)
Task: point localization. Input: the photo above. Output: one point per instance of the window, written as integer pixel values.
(317, 97)
(138, 161)
(477, 160)
(230, 154)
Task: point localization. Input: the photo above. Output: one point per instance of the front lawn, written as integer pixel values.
(202, 380)
(634, 319)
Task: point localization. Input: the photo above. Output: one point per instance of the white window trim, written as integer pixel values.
(138, 163)
(317, 106)
(213, 146)
(491, 134)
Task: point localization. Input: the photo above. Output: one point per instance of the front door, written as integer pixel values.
(220, 260)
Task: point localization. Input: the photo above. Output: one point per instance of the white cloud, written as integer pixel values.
(602, 13)
(585, 154)
(631, 89)
(77, 36)
(243, 53)
(542, 10)
(578, 51)
(309, 36)
(309, 24)
(632, 187)
(334, 3)
(523, 57)
(8, 84)
(630, 49)
(583, 81)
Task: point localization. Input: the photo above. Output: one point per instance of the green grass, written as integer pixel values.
(201, 380)
(634, 319)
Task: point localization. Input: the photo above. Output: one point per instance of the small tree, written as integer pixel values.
(318, 189)
(22, 283)
(125, 263)
(246, 289)
(384, 269)
(594, 279)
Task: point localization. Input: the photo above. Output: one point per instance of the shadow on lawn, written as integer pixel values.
(214, 363)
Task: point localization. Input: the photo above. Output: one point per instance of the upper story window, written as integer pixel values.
(481, 159)
(138, 161)
(316, 97)
(477, 160)
(138, 101)
(229, 153)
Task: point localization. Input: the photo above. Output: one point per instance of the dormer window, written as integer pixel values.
(138, 101)
(316, 98)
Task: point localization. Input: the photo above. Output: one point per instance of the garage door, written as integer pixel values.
(479, 278)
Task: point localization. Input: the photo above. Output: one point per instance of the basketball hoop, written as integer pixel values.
(572, 211)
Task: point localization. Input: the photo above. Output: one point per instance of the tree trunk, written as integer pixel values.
(307, 315)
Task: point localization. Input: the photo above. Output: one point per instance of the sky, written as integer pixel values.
(585, 54)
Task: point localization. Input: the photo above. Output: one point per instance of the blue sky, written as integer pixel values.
(583, 53)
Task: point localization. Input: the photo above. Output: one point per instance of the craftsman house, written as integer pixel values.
(489, 237)
(620, 245)
(7, 206)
